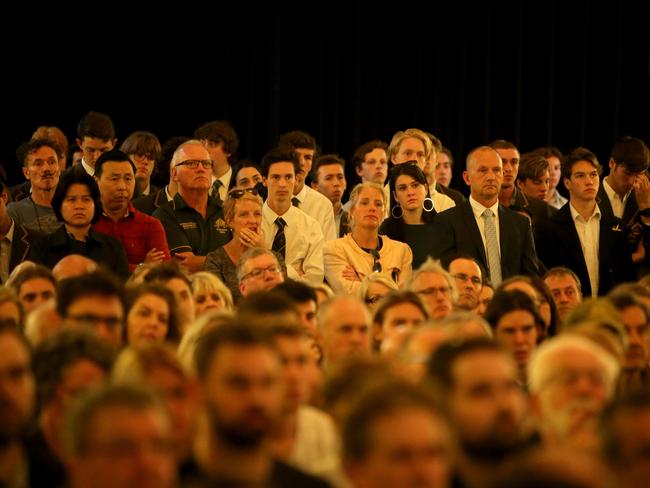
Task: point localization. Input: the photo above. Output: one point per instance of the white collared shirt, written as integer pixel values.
(225, 183)
(557, 201)
(5, 252)
(319, 207)
(589, 235)
(169, 196)
(441, 202)
(478, 210)
(618, 203)
(304, 238)
(147, 190)
(89, 169)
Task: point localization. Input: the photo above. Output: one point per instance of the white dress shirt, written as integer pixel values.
(618, 203)
(589, 235)
(304, 251)
(225, 183)
(89, 169)
(441, 202)
(478, 210)
(558, 201)
(319, 207)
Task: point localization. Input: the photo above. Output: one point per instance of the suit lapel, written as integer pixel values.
(506, 227)
(472, 229)
(19, 247)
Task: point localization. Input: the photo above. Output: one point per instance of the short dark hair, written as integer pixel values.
(360, 153)
(97, 283)
(264, 303)
(396, 298)
(622, 300)
(638, 401)
(114, 156)
(33, 145)
(504, 302)
(447, 151)
(142, 143)
(441, 364)
(549, 152)
(502, 144)
(233, 331)
(375, 402)
(61, 350)
(532, 166)
(297, 291)
(76, 177)
(297, 139)
(562, 271)
(30, 273)
(219, 131)
(165, 272)
(631, 153)
(96, 125)
(577, 155)
(326, 160)
(279, 155)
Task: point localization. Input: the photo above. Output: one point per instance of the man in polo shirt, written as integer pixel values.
(288, 230)
(193, 220)
(143, 236)
(305, 198)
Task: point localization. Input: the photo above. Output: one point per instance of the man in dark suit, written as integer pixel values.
(582, 237)
(499, 239)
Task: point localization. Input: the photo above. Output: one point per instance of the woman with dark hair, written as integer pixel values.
(77, 204)
(412, 212)
(151, 315)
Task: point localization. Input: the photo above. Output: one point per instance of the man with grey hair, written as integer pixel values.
(499, 239)
(258, 269)
(344, 324)
(120, 436)
(436, 287)
(193, 220)
(571, 378)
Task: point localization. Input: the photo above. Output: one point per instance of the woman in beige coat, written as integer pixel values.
(363, 251)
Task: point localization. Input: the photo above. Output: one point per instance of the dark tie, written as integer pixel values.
(295, 202)
(214, 191)
(279, 241)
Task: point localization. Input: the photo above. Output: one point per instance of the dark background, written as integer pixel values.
(536, 73)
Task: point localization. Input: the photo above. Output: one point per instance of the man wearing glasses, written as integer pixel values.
(193, 220)
(469, 281)
(258, 269)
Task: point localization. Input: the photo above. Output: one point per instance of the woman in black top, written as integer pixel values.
(412, 211)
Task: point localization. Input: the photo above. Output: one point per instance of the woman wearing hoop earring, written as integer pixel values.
(412, 213)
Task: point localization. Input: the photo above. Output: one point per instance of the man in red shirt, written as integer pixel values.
(143, 236)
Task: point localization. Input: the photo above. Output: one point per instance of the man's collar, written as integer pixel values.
(89, 169)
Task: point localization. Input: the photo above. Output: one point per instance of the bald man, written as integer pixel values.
(499, 239)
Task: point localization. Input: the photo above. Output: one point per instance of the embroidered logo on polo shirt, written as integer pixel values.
(221, 226)
(189, 225)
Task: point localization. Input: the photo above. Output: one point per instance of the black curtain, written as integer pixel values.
(536, 73)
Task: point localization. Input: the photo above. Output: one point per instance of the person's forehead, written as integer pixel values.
(431, 278)
(77, 189)
(41, 153)
(92, 303)
(247, 172)
(560, 281)
(94, 142)
(13, 350)
(281, 168)
(371, 193)
(508, 153)
(116, 167)
(489, 366)
(261, 261)
(377, 153)
(36, 282)
(583, 165)
(465, 265)
(347, 312)
(485, 157)
(328, 169)
(193, 151)
(411, 143)
(251, 360)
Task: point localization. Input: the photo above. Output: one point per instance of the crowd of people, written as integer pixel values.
(173, 316)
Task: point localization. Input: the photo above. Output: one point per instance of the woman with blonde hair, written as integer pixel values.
(363, 251)
(209, 293)
(242, 211)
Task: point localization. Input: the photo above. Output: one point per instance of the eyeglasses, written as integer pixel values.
(194, 163)
(259, 272)
(376, 266)
(443, 290)
(463, 277)
(240, 192)
(372, 299)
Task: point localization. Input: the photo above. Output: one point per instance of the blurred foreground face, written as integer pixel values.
(408, 448)
(16, 388)
(486, 404)
(126, 447)
(346, 331)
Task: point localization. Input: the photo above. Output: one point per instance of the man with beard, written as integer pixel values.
(16, 404)
(41, 169)
(476, 382)
(240, 374)
(571, 379)
(143, 236)
(635, 318)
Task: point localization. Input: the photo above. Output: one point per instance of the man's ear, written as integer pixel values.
(466, 177)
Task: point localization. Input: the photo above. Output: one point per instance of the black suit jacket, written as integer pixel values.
(23, 245)
(558, 244)
(605, 205)
(149, 203)
(456, 232)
